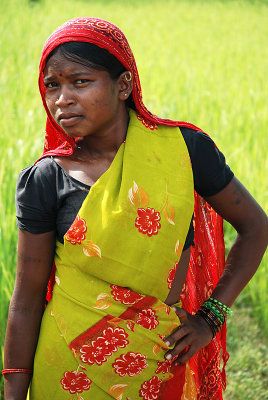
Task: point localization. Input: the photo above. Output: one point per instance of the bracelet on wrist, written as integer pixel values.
(208, 321)
(213, 317)
(16, 370)
(215, 311)
(220, 305)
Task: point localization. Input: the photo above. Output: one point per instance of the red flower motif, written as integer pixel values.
(114, 338)
(75, 234)
(75, 382)
(150, 389)
(163, 366)
(148, 319)
(94, 354)
(147, 221)
(104, 346)
(130, 364)
(124, 295)
(171, 275)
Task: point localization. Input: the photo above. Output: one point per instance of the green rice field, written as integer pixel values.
(202, 61)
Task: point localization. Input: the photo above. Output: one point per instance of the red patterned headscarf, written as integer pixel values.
(207, 256)
(108, 36)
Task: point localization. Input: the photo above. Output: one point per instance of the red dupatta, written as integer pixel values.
(207, 256)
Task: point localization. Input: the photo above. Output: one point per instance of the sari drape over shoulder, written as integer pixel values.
(103, 329)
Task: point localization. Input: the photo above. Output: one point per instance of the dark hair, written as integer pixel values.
(92, 56)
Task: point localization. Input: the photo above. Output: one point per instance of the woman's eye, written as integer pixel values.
(79, 81)
(50, 85)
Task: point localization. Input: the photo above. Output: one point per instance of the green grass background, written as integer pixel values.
(201, 61)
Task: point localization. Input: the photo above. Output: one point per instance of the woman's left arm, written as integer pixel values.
(238, 207)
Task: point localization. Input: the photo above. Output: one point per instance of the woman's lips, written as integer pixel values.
(70, 121)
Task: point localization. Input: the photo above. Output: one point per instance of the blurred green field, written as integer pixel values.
(201, 61)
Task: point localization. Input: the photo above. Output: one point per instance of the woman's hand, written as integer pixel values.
(193, 334)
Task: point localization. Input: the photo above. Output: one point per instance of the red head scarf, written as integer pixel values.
(105, 35)
(207, 256)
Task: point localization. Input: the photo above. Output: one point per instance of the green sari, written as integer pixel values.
(102, 333)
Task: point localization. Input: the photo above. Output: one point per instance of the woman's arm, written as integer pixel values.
(35, 259)
(179, 278)
(237, 206)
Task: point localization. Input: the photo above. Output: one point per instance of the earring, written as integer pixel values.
(128, 77)
(125, 94)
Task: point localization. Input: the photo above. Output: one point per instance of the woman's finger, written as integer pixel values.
(180, 346)
(177, 335)
(181, 313)
(186, 356)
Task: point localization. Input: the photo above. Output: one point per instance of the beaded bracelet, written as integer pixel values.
(16, 370)
(214, 322)
(212, 315)
(222, 306)
(215, 310)
(208, 321)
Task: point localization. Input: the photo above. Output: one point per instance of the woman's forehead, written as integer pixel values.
(58, 64)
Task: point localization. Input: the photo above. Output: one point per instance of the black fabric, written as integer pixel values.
(47, 198)
(210, 171)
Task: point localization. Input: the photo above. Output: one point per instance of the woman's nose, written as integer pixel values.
(65, 98)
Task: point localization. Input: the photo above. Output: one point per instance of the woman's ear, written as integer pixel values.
(125, 85)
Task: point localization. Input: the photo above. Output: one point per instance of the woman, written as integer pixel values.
(111, 202)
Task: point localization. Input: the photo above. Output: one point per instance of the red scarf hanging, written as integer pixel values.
(207, 256)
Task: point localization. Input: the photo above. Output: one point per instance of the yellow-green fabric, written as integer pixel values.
(113, 274)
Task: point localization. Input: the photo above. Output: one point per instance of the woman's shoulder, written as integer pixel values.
(37, 183)
(43, 170)
(195, 137)
(210, 170)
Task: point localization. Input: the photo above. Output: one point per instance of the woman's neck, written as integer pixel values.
(106, 143)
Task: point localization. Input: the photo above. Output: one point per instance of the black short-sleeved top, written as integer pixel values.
(47, 198)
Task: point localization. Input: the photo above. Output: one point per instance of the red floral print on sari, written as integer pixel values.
(148, 319)
(163, 367)
(150, 389)
(94, 354)
(114, 338)
(75, 234)
(147, 221)
(75, 382)
(130, 364)
(124, 295)
(171, 275)
(104, 346)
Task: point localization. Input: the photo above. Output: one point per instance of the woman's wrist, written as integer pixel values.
(214, 313)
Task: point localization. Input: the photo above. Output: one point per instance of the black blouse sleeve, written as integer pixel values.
(210, 172)
(36, 198)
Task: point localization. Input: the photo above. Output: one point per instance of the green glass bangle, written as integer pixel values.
(223, 307)
(215, 310)
(210, 314)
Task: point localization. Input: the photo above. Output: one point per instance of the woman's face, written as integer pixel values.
(83, 101)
